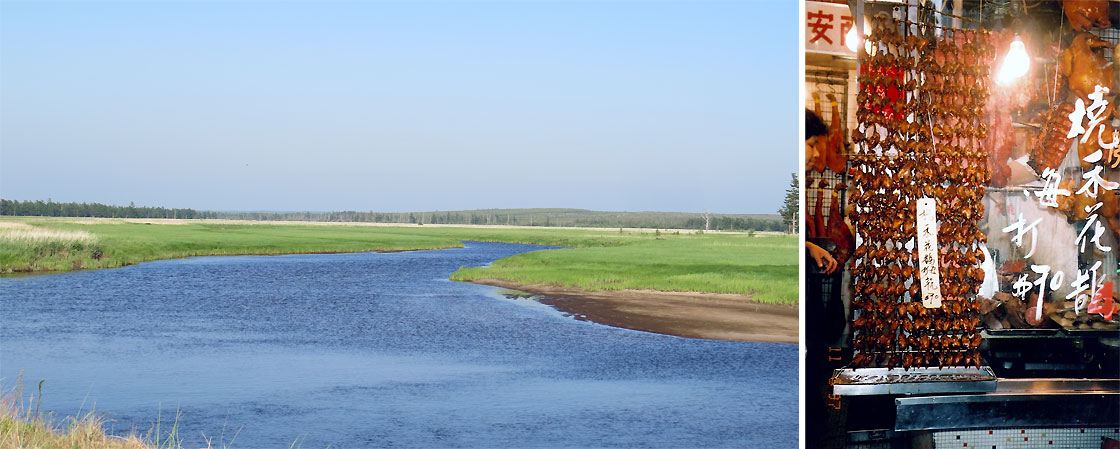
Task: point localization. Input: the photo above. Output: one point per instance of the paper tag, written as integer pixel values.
(929, 273)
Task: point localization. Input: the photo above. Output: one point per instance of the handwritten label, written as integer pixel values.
(928, 267)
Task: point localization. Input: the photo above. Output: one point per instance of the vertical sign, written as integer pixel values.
(928, 269)
(826, 28)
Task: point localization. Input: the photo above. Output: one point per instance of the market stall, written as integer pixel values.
(981, 164)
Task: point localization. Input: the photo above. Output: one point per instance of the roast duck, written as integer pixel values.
(1085, 14)
(836, 155)
(1051, 144)
(1093, 145)
(838, 230)
(838, 162)
(1075, 205)
(1084, 68)
(1002, 101)
(822, 159)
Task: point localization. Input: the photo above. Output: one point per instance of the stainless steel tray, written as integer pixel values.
(896, 381)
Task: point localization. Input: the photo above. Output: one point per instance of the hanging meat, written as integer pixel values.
(1093, 144)
(837, 156)
(1110, 203)
(1065, 202)
(1085, 14)
(1002, 100)
(822, 159)
(1085, 67)
(1082, 204)
(1050, 147)
(941, 157)
(1110, 211)
(838, 230)
(999, 141)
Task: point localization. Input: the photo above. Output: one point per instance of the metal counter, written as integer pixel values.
(970, 398)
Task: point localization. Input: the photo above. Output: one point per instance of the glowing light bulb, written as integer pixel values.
(852, 39)
(1015, 64)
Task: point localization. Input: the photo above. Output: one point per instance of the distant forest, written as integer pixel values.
(514, 217)
(53, 209)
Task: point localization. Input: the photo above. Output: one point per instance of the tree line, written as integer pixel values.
(540, 217)
(52, 209)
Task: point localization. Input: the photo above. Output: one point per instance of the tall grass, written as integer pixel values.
(31, 235)
(40, 248)
(22, 427)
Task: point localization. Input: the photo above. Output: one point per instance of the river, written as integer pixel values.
(375, 350)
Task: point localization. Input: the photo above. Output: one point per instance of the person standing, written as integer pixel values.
(816, 137)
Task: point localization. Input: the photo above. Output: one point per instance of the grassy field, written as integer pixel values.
(35, 244)
(764, 267)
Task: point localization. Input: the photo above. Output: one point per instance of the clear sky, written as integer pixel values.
(382, 106)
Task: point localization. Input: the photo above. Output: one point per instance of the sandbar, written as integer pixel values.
(715, 316)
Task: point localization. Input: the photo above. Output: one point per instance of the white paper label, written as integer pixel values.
(927, 253)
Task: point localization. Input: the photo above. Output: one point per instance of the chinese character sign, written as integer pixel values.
(927, 253)
(826, 28)
(1090, 289)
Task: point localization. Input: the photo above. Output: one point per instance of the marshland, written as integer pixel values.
(382, 348)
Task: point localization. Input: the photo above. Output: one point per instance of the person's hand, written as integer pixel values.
(824, 259)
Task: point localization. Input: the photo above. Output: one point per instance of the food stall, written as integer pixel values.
(981, 170)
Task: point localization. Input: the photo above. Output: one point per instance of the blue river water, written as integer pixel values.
(375, 350)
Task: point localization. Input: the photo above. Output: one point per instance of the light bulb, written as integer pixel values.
(852, 39)
(1015, 64)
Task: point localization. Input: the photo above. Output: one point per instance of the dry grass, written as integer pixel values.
(23, 233)
(22, 427)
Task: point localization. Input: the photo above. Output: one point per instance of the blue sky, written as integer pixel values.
(400, 106)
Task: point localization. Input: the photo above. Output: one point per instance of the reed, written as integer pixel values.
(22, 427)
(23, 233)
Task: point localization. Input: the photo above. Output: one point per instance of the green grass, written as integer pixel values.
(763, 267)
(120, 243)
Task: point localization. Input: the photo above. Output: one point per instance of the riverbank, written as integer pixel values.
(763, 269)
(717, 316)
(36, 245)
(746, 286)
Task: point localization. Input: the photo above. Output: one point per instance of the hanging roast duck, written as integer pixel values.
(1085, 14)
(822, 159)
(837, 156)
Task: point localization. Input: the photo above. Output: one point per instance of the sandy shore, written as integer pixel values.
(696, 315)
